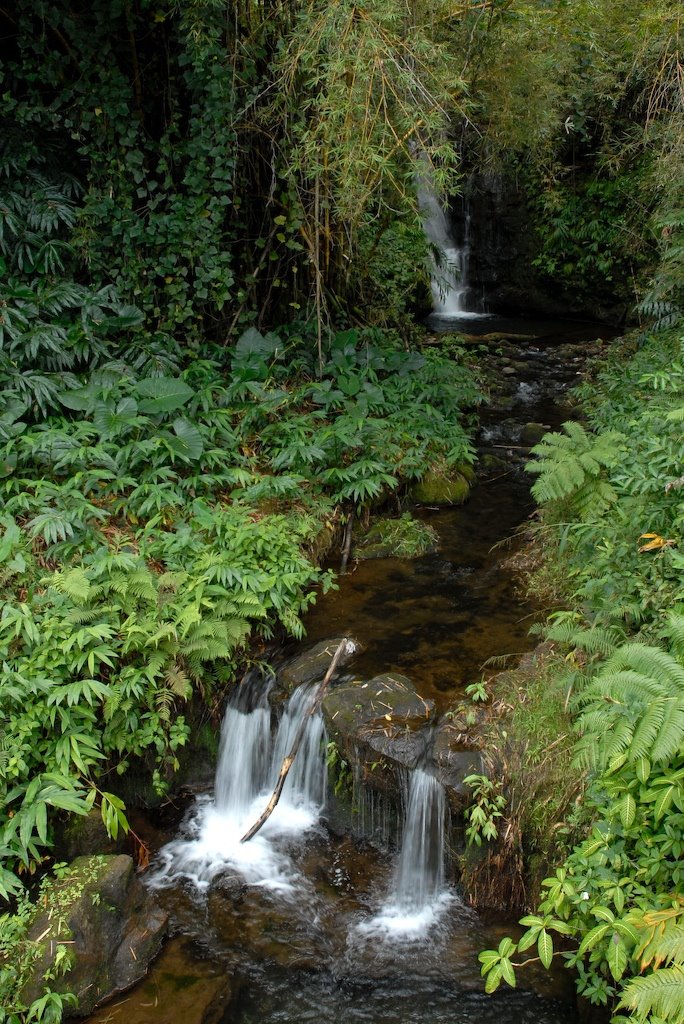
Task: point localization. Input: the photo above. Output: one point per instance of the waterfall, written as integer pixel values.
(419, 875)
(249, 761)
(418, 894)
(449, 262)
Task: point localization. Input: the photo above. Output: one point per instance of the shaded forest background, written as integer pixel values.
(212, 270)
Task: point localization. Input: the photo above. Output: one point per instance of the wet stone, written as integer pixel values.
(312, 665)
(379, 725)
(183, 988)
(452, 758)
(113, 925)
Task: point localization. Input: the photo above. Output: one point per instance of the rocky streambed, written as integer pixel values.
(308, 939)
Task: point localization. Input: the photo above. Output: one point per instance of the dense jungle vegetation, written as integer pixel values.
(210, 267)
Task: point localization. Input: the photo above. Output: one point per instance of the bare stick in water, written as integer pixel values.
(346, 545)
(287, 763)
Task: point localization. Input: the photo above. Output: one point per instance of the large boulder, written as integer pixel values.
(379, 727)
(110, 924)
(439, 487)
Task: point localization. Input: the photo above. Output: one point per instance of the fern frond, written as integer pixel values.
(660, 994)
(569, 467)
(177, 682)
(634, 706)
(675, 633)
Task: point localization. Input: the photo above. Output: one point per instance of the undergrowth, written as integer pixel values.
(611, 514)
(526, 742)
(160, 507)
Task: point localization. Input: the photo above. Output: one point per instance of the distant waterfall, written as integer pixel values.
(449, 262)
(250, 757)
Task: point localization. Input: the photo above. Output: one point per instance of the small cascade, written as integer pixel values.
(418, 895)
(307, 781)
(249, 762)
(419, 876)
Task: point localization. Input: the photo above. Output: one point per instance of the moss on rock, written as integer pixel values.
(439, 487)
(404, 537)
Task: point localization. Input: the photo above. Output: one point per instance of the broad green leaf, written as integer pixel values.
(663, 802)
(79, 399)
(593, 937)
(191, 440)
(545, 948)
(528, 938)
(507, 972)
(616, 956)
(493, 979)
(627, 810)
(162, 394)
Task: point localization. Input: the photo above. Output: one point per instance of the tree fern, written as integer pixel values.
(658, 997)
(601, 640)
(570, 465)
(634, 706)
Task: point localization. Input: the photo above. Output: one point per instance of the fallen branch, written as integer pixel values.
(347, 543)
(287, 763)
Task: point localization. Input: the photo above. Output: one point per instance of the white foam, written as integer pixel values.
(397, 922)
(249, 763)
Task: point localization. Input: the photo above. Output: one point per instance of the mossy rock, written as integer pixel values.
(404, 537)
(440, 488)
(311, 665)
(111, 926)
(532, 433)
(378, 726)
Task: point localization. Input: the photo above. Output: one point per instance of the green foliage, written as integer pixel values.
(338, 767)
(589, 235)
(616, 895)
(611, 492)
(404, 537)
(488, 805)
(570, 468)
(633, 707)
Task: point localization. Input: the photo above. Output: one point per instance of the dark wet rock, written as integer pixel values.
(509, 370)
(85, 836)
(379, 726)
(112, 925)
(265, 927)
(438, 488)
(314, 663)
(532, 433)
(453, 756)
(492, 463)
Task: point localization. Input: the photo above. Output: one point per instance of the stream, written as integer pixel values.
(307, 922)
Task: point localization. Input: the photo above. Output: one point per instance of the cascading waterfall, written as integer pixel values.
(449, 269)
(249, 761)
(419, 875)
(418, 893)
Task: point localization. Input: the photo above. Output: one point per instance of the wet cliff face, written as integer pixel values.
(503, 244)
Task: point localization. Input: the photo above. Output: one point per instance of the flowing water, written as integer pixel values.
(306, 922)
(249, 762)
(449, 261)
